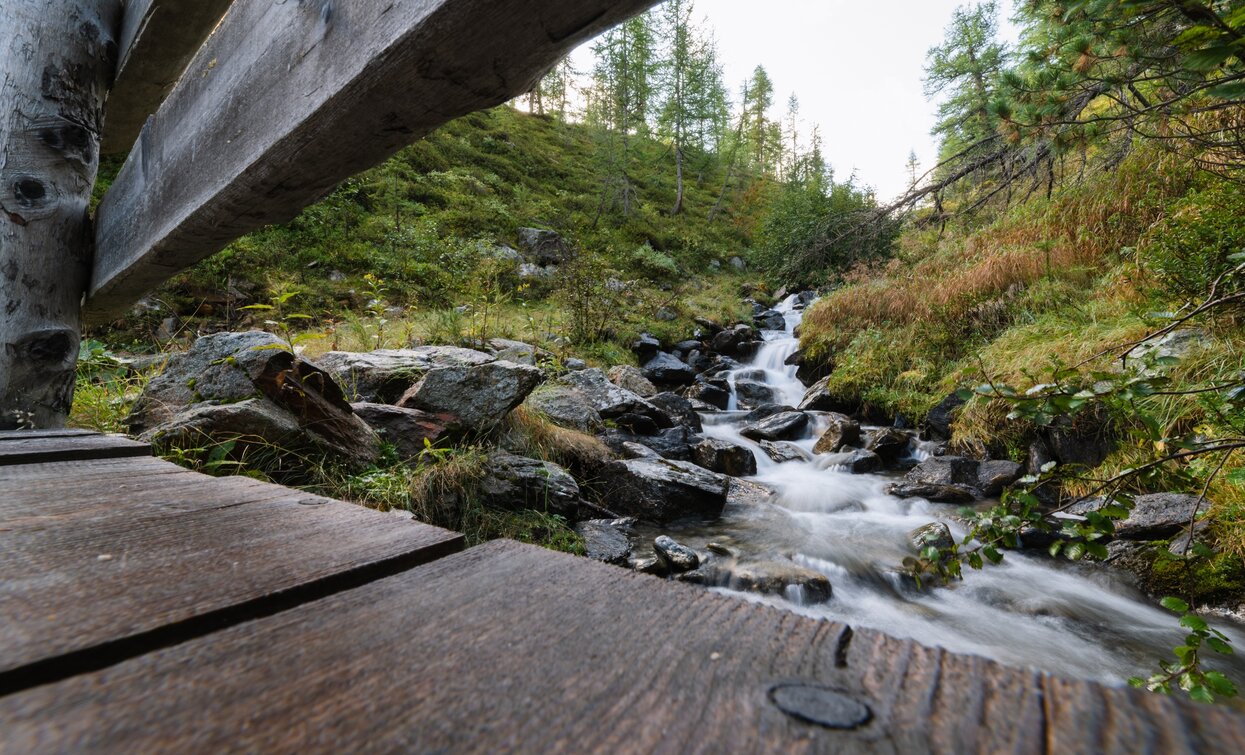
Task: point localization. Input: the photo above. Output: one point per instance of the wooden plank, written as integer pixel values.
(158, 39)
(62, 433)
(510, 648)
(285, 100)
(103, 560)
(41, 447)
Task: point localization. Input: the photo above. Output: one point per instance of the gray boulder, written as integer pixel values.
(737, 264)
(383, 376)
(783, 426)
(667, 369)
(633, 450)
(677, 557)
(841, 431)
(888, 443)
(933, 492)
(936, 534)
(709, 393)
(751, 393)
(606, 540)
(672, 443)
(407, 429)
(858, 461)
(504, 349)
(782, 451)
(565, 407)
(944, 470)
(1154, 516)
(994, 476)
(679, 409)
(770, 319)
(608, 399)
(725, 457)
(514, 482)
(480, 396)
(782, 578)
(543, 247)
(818, 398)
(939, 419)
(662, 490)
(632, 379)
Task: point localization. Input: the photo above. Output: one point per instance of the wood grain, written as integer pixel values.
(26, 448)
(158, 39)
(103, 560)
(510, 648)
(286, 99)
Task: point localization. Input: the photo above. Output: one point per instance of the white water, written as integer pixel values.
(1074, 619)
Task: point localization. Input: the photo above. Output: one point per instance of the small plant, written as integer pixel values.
(282, 322)
(1188, 672)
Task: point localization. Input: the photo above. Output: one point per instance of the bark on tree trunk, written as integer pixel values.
(57, 60)
(678, 163)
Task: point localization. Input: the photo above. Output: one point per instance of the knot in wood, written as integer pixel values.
(822, 706)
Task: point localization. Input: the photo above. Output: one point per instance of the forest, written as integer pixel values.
(1060, 294)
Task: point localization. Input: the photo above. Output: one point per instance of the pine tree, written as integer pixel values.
(619, 103)
(965, 69)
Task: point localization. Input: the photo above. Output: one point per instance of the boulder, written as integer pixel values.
(750, 393)
(383, 376)
(608, 399)
(841, 431)
(858, 461)
(543, 247)
(737, 264)
(672, 443)
(782, 578)
(480, 396)
(646, 347)
(407, 429)
(662, 490)
(993, 477)
(606, 540)
(1084, 441)
(575, 365)
(936, 534)
(944, 470)
(519, 352)
(514, 482)
(679, 409)
(783, 426)
(677, 557)
(709, 393)
(636, 424)
(888, 443)
(933, 492)
(667, 369)
(818, 398)
(939, 419)
(782, 451)
(723, 456)
(731, 341)
(764, 411)
(632, 450)
(808, 370)
(565, 407)
(1154, 516)
(532, 271)
(632, 379)
(248, 388)
(770, 319)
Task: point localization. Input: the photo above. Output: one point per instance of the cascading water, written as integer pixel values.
(1075, 619)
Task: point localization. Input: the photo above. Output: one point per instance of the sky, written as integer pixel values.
(855, 66)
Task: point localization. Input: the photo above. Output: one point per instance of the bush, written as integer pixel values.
(1189, 249)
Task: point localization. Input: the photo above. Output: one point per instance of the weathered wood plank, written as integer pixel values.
(57, 58)
(106, 559)
(68, 432)
(509, 648)
(285, 100)
(158, 39)
(17, 448)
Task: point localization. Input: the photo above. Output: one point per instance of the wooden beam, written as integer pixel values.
(285, 100)
(57, 59)
(158, 39)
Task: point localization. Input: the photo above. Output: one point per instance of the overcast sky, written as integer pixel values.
(856, 67)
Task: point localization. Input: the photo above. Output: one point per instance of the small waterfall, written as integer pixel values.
(1074, 619)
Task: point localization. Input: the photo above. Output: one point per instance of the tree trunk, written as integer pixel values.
(678, 168)
(57, 59)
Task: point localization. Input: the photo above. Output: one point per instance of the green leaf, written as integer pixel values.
(1174, 604)
(1194, 622)
(965, 394)
(1234, 90)
(1219, 646)
(1219, 684)
(1200, 693)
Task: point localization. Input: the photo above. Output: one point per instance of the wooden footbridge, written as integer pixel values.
(146, 608)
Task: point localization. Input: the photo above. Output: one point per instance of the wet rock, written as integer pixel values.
(383, 376)
(514, 483)
(841, 431)
(993, 477)
(606, 540)
(543, 247)
(246, 388)
(936, 534)
(858, 461)
(651, 565)
(1154, 516)
(944, 470)
(636, 424)
(632, 379)
(720, 365)
(646, 347)
(748, 493)
(784, 426)
(770, 319)
(888, 443)
(782, 578)
(632, 450)
(723, 456)
(506, 350)
(679, 409)
(683, 348)
(565, 407)
(662, 490)
(480, 396)
(765, 411)
(671, 443)
(1039, 456)
(608, 399)
(809, 370)
(678, 557)
(818, 398)
(407, 429)
(939, 419)
(709, 327)
(750, 393)
(667, 369)
(1084, 442)
(933, 492)
(733, 341)
(782, 451)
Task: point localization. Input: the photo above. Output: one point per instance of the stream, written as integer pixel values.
(1081, 620)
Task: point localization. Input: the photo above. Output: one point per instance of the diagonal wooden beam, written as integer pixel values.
(158, 38)
(288, 98)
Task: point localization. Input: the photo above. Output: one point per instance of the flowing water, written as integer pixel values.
(1075, 619)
